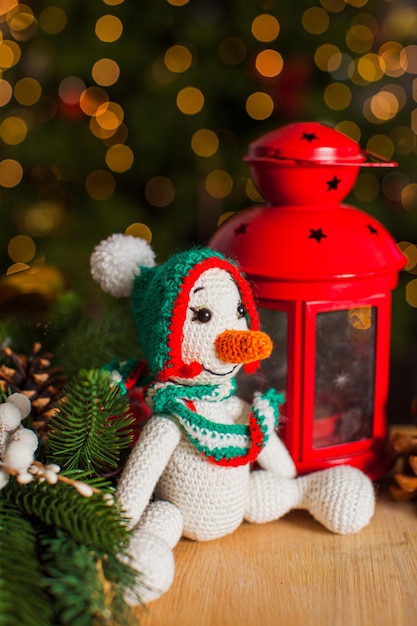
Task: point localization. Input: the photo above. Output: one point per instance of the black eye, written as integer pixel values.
(202, 315)
(241, 311)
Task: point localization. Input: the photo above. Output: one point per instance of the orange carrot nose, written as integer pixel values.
(243, 346)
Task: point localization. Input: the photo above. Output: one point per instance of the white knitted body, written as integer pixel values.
(204, 501)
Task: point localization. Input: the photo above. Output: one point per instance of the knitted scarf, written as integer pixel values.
(223, 444)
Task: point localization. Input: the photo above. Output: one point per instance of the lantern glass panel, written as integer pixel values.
(272, 372)
(344, 376)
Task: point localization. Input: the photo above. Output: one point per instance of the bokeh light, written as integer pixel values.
(105, 72)
(337, 96)
(178, 59)
(139, 230)
(259, 105)
(269, 63)
(21, 249)
(265, 27)
(119, 158)
(13, 130)
(190, 100)
(219, 184)
(205, 142)
(27, 91)
(160, 191)
(315, 20)
(100, 184)
(108, 28)
(6, 92)
(11, 173)
(52, 20)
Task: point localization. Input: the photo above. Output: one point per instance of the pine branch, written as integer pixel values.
(91, 427)
(91, 521)
(81, 583)
(23, 599)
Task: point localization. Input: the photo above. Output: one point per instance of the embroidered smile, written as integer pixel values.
(206, 369)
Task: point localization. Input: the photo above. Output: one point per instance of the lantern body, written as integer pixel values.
(322, 273)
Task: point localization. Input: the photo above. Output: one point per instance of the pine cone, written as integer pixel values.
(33, 375)
(405, 481)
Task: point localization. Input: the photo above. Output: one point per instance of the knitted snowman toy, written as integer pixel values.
(190, 472)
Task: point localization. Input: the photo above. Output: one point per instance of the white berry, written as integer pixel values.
(4, 478)
(27, 438)
(22, 402)
(17, 456)
(10, 416)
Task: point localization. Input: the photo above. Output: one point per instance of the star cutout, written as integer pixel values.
(309, 137)
(317, 234)
(241, 229)
(332, 184)
(372, 229)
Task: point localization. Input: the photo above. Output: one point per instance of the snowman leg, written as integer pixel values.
(270, 496)
(150, 550)
(341, 498)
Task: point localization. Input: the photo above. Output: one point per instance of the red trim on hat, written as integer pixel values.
(175, 365)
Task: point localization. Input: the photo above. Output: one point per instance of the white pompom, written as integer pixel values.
(10, 416)
(4, 478)
(27, 437)
(18, 457)
(116, 262)
(22, 402)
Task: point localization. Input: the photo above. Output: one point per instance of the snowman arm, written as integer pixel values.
(276, 459)
(145, 465)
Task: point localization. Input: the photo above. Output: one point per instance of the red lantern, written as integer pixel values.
(322, 273)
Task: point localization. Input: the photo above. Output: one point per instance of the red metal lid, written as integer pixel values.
(311, 143)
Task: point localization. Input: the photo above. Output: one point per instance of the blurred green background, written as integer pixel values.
(120, 115)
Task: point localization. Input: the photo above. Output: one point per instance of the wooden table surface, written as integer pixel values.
(293, 572)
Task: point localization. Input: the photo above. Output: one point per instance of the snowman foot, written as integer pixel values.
(153, 559)
(341, 498)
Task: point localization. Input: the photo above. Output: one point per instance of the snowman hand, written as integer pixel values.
(267, 405)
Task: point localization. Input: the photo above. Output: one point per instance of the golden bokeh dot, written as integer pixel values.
(27, 91)
(357, 3)
(100, 184)
(178, 3)
(205, 142)
(371, 67)
(139, 230)
(395, 62)
(384, 105)
(411, 292)
(119, 158)
(350, 129)
(404, 139)
(42, 217)
(21, 249)
(17, 267)
(13, 130)
(11, 173)
(160, 191)
(359, 38)
(232, 50)
(381, 145)
(265, 27)
(7, 5)
(269, 63)
(259, 105)
(410, 52)
(6, 92)
(91, 99)
(190, 100)
(109, 116)
(105, 72)
(178, 59)
(410, 251)
(108, 28)
(113, 3)
(219, 184)
(21, 20)
(10, 54)
(327, 57)
(315, 20)
(337, 96)
(52, 20)
(334, 6)
(409, 197)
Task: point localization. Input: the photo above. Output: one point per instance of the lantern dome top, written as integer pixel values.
(307, 163)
